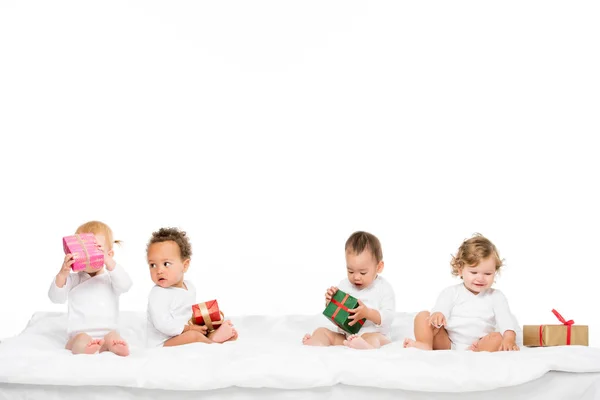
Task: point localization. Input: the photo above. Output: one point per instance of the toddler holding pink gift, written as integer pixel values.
(171, 299)
(92, 293)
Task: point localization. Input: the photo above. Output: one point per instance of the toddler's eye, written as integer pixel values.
(473, 272)
(488, 273)
(152, 265)
(363, 273)
(167, 264)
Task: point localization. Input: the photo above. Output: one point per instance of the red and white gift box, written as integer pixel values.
(85, 251)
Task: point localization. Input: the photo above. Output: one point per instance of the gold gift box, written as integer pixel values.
(554, 335)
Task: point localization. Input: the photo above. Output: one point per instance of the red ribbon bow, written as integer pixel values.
(561, 319)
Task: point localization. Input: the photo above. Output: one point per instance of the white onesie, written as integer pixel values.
(470, 317)
(379, 295)
(169, 310)
(93, 300)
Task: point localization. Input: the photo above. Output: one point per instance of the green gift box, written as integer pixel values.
(337, 311)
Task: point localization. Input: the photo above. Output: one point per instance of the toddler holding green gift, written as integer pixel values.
(170, 301)
(376, 299)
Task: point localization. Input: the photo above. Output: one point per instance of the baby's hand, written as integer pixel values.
(508, 344)
(358, 313)
(108, 260)
(437, 319)
(200, 328)
(65, 268)
(330, 293)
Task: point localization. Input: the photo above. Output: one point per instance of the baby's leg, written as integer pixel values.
(489, 343)
(371, 340)
(83, 343)
(223, 333)
(427, 336)
(324, 337)
(187, 338)
(114, 343)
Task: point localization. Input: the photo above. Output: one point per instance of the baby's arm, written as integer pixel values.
(63, 282)
(505, 322)
(120, 279)
(384, 315)
(443, 306)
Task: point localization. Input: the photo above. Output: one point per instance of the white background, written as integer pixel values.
(272, 130)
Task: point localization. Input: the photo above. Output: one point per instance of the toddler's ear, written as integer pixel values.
(111, 253)
(380, 267)
(186, 265)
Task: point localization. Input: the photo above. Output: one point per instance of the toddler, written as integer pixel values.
(93, 297)
(171, 299)
(376, 299)
(470, 315)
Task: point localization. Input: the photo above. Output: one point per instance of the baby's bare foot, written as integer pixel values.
(357, 342)
(119, 347)
(413, 343)
(306, 339)
(223, 333)
(93, 346)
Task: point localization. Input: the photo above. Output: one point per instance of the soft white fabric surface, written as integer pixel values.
(553, 385)
(269, 354)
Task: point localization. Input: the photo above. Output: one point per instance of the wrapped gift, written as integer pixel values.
(555, 335)
(338, 311)
(85, 251)
(208, 314)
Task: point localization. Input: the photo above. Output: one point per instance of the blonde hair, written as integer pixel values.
(472, 251)
(360, 241)
(97, 227)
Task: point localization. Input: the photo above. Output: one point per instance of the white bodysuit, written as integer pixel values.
(93, 300)
(470, 317)
(379, 295)
(169, 310)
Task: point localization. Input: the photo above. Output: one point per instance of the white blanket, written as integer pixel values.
(269, 354)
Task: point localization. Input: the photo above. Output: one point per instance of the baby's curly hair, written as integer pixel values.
(177, 236)
(472, 251)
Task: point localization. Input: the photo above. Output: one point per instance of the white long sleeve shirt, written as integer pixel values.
(470, 317)
(379, 295)
(169, 310)
(93, 301)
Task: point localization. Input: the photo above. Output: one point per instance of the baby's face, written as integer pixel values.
(362, 268)
(166, 266)
(479, 277)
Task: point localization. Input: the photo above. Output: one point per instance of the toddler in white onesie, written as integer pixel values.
(93, 297)
(376, 299)
(471, 315)
(171, 299)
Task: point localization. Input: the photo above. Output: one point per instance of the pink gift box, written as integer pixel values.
(85, 251)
